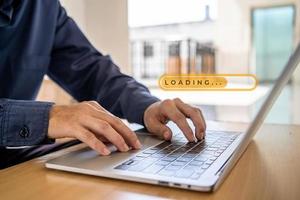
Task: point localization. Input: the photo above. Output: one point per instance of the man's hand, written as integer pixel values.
(93, 125)
(158, 114)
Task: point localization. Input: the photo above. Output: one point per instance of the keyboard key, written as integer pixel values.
(201, 158)
(128, 161)
(205, 166)
(197, 175)
(137, 158)
(196, 163)
(173, 167)
(208, 152)
(179, 163)
(142, 165)
(219, 151)
(189, 155)
(162, 163)
(138, 168)
(166, 151)
(213, 158)
(217, 154)
(215, 146)
(191, 145)
(212, 149)
(165, 172)
(223, 148)
(131, 162)
(209, 162)
(181, 151)
(184, 173)
(209, 142)
(198, 149)
(150, 160)
(168, 158)
(184, 159)
(150, 151)
(162, 145)
(153, 169)
(175, 155)
(172, 147)
(175, 145)
(122, 167)
(179, 143)
(158, 155)
(183, 140)
(194, 168)
(142, 155)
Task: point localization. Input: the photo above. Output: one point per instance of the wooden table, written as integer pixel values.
(269, 169)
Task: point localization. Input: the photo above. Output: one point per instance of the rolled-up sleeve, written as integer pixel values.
(24, 123)
(88, 75)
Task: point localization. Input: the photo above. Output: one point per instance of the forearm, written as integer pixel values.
(119, 93)
(23, 123)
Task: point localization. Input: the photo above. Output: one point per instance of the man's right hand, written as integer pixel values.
(92, 124)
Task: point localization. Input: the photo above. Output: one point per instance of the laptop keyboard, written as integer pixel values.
(180, 158)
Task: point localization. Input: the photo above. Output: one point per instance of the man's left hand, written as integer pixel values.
(158, 114)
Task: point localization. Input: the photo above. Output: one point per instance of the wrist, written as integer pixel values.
(147, 113)
(52, 122)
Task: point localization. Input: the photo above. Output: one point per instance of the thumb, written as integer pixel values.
(160, 129)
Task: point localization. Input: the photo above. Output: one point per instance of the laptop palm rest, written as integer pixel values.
(86, 158)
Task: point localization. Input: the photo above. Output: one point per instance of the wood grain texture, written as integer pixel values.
(269, 169)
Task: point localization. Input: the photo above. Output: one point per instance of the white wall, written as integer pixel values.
(76, 10)
(232, 39)
(105, 24)
(107, 27)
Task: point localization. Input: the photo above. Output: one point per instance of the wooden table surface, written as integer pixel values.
(269, 169)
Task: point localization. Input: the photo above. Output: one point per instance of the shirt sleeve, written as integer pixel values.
(88, 75)
(23, 123)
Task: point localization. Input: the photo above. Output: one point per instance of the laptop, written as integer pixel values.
(198, 166)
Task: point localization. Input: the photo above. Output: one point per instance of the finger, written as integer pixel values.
(204, 121)
(95, 105)
(159, 128)
(103, 128)
(91, 140)
(195, 115)
(128, 135)
(102, 138)
(171, 111)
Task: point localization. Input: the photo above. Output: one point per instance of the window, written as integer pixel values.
(158, 12)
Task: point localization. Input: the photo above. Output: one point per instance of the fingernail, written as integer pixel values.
(166, 135)
(199, 136)
(137, 144)
(125, 147)
(105, 151)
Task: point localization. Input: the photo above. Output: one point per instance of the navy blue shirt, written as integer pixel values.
(37, 38)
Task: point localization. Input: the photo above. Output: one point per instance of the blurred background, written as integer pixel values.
(148, 38)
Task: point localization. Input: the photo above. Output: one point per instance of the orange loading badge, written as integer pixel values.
(209, 82)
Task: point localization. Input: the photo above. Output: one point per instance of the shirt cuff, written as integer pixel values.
(24, 123)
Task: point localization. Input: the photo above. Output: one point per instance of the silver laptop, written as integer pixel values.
(198, 166)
